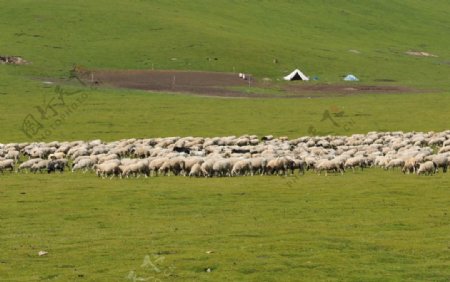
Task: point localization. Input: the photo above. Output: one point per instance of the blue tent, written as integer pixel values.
(351, 77)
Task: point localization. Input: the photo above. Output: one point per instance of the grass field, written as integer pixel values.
(370, 226)
(367, 226)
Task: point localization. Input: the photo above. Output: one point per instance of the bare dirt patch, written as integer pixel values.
(223, 84)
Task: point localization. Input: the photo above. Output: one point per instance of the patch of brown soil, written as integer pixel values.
(221, 84)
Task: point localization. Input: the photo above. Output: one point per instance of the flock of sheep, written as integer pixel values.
(412, 152)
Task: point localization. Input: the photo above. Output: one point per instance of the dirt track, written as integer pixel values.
(225, 84)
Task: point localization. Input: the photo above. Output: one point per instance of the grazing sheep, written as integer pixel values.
(56, 165)
(395, 163)
(6, 164)
(300, 165)
(231, 155)
(84, 164)
(259, 165)
(28, 164)
(358, 161)
(107, 169)
(142, 152)
(196, 170)
(136, 169)
(174, 165)
(441, 161)
(242, 167)
(57, 155)
(444, 150)
(222, 167)
(156, 164)
(207, 167)
(427, 168)
(281, 164)
(410, 166)
(39, 166)
(191, 161)
(329, 166)
(13, 154)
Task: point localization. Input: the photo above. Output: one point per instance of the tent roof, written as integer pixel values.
(351, 77)
(296, 75)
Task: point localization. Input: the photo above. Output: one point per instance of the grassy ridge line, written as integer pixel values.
(260, 228)
(315, 36)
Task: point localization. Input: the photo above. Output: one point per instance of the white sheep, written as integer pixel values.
(156, 164)
(427, 168)
(395, 163)
(6, 164)
(84, 164)
(329, 166)
(207, 167)
(135, 169)
(242, 167)
(259, 165)
(39, 166)
(28, 164)
(222, 167)
(107, 169)
(440, 160)
(196, 170)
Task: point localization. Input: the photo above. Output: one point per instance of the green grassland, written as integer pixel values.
(315, 36)
(116, 114)
(368, 226)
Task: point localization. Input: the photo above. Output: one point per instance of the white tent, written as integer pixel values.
(296, 75)
(351, 77)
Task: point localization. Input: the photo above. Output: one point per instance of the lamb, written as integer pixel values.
(427, 168)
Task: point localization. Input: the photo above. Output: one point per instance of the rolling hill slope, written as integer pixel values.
(313, 35)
